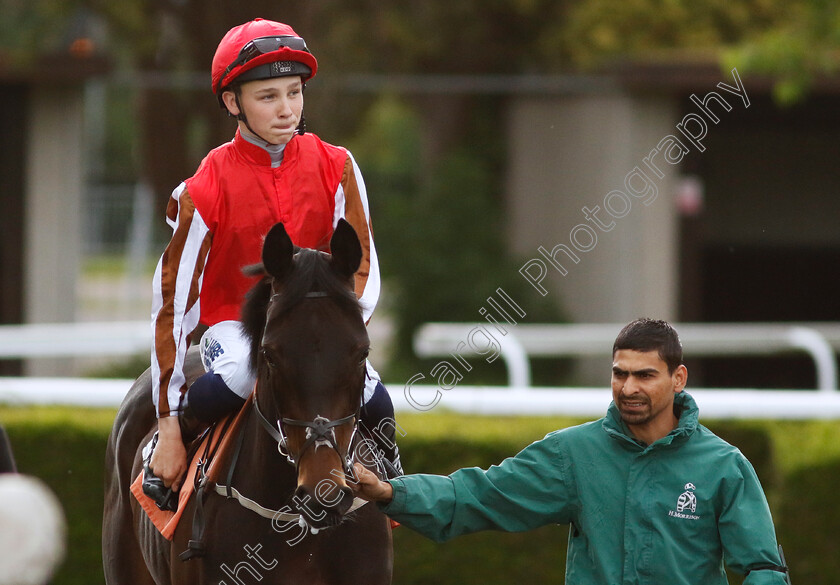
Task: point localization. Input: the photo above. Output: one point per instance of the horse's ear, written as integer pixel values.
(277, 252)
(346, 249)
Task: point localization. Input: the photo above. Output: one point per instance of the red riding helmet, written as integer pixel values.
(260, 49)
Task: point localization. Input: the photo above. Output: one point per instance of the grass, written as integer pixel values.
(113, 266)
(803, 444)
(451, 425)
(97, 420)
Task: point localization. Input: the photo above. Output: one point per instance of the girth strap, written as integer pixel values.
(195, 546)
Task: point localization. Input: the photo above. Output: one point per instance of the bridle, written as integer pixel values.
(318, 430)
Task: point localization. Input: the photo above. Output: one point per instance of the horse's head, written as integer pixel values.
(309, 346)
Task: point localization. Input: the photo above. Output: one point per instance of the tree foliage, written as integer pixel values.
(801, 47)
(29, 30)
(797, 38)
(601, 30)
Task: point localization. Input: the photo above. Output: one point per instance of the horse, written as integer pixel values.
(293, 519)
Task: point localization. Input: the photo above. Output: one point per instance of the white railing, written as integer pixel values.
(62, 340)
(491, 401)
(818, 340)
(593, 402)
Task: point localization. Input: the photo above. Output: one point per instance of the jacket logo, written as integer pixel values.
(687, 499)
(686, 504)
(212, 350)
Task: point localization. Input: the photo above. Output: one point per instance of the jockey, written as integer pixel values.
(272, 171)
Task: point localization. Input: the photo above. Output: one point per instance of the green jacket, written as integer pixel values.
(664, 514)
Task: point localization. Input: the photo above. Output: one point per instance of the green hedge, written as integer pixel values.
(66, 448)
(798, 462)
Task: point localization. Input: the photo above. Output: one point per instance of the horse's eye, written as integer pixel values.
(266, 356)
(364, 356)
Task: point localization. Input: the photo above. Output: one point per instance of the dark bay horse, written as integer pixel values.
(309, 345)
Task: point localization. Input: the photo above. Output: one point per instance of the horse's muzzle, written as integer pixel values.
(324, 506)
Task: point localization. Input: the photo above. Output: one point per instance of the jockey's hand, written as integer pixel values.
(369, 487)
(169, 459)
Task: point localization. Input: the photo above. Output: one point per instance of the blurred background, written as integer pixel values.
(482, 129)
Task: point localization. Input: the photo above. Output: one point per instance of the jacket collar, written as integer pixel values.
(684, 406)
(259, 156)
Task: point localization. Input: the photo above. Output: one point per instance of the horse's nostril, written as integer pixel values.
(346, 500)
(303, 497)
(336, 503)
(347, 493)
(308, 506)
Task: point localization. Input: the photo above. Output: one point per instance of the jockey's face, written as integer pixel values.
(273, 107)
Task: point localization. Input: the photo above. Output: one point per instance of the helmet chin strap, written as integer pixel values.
(244, 119)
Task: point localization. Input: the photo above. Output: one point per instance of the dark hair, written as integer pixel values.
(652, 335)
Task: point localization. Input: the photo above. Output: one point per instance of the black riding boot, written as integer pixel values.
(378, 419)
(153, 486)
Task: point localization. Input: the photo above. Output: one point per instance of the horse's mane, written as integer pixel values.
(311, 272)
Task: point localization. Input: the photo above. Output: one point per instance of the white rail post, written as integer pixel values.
(516, 360)
(819, 349)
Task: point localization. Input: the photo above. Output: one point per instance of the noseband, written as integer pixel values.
(319, 430)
